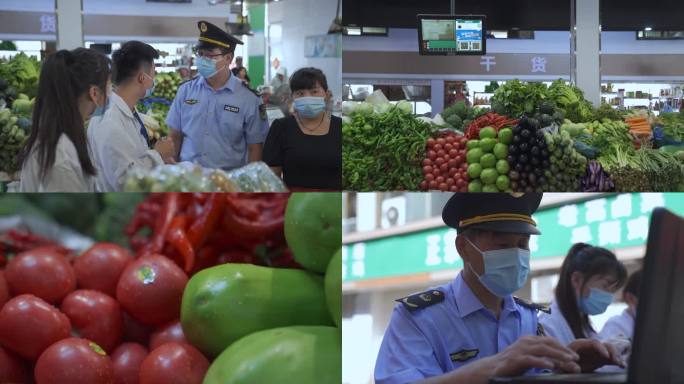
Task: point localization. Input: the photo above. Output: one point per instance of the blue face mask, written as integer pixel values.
(101, 109)
(505, 270)
(150, 91)
(309, 107)
(596, 303)
(206, 67)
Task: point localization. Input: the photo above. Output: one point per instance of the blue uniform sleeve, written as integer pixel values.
(173, 118)
(406, 354)
(256, 127)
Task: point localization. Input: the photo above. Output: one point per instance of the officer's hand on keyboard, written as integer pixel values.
(595, 354)
(535, 352)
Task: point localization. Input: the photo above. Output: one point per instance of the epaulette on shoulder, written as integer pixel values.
(422, 300)
(257, 94)
(531, 305)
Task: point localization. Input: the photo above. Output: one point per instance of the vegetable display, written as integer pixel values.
(12, 139)
(211, 282)
(555, 135)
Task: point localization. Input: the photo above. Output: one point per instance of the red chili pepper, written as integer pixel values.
(170, 208)
(207, 220)
(207, 257)
(178, 239)
(254, 218)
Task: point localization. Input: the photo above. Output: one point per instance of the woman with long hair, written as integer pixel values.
(589, 278)
(73, 86)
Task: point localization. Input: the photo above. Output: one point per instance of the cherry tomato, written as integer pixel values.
(462, 140)
(441, 141)
(100, 267)
(459, 159)
(441, 153)
(453, 188)
(12, 368)
(461, 183)
(166, 334)
(431, 155)
(431, 142)
(127, 359)
(439, 179)
(41, 272)
(443, 187)
(449, 139)
(28, 325)
(74, 361)
(464, 166)
(177, 363)
(4, 289)
(95, 316)
(427, 169)
(427, 162)
(439, 161)
(134, 331)
(452, 163)
(151, 288)
(450, 182)
(453, 172)
(444, 168)
(432, 185)
(453, 153)
(429, 177)
(448, 147)
(438, 147)
(457, 146)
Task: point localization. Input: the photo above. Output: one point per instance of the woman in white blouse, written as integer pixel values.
(73, 86)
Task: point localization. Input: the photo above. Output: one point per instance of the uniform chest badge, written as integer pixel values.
(464, 355)
(191, 101)
(231, 108)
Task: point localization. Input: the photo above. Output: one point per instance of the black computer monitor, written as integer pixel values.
(658, 345)
(452, 35)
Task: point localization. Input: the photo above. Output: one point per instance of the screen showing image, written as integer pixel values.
(451, 36)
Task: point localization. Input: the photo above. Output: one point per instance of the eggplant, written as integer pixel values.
(519, 167)
(512, 149)
(523, 158)
(513, 175)
(511, 159)
(523, 147)
(535, 150)
(534, 161)
(517, 139)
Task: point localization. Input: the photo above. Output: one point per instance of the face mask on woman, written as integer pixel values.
(309, 106)
(596, 303)
(100, 109)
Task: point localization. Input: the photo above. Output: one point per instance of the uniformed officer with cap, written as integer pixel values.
(473, 329)
(215, 119)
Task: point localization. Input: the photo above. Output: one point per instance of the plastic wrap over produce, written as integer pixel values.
(189, 177)
(48, 229)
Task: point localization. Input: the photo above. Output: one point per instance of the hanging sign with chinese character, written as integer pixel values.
(613, 222)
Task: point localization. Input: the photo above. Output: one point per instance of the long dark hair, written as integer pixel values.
(589, 261)
(64, 77)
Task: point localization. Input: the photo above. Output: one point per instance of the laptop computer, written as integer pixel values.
(658, 345)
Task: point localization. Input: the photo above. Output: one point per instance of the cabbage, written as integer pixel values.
(382, 108)
(405, 106)
(364, 109)
(348, 107)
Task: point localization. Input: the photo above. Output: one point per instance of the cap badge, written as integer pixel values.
(203, 27)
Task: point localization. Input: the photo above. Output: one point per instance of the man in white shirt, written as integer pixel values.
(118, 140)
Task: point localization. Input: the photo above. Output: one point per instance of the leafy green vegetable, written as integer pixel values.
(516, 98)
(21, 73)
(383, 151)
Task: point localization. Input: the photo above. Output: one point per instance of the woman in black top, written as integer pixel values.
(306, 148)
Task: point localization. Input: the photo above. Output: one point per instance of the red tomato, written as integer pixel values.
(134, 331)
(464, 166)
(166, 334)
(448, 147)
(432, 185)
(151, 288)
(439, 161)
(443, 187)
(41, 272)
(95, 316)
(459, 159)
(453, 163)
(424, 185)
(174, 363)
(441, 141)
(127, 359)
(450, 138)
(100, 267)
(439, 179)
(4, 289)
(438, 147)
(431, 142)
(450, 182)
(453, 153)
(427, 162)
(441, 153)
(444, 168)
(461, 183)
(429, 177)
(431, 155)
(427, 169)
(12, 368)
(462, 140)
(28, 325)
(453, 188)
(74, 361)
(457, 146)
(453, 172)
